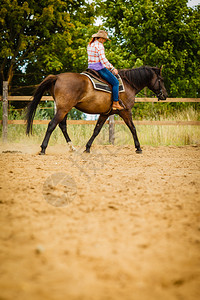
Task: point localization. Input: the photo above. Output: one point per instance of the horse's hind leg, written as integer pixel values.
(63, 127)
(97, 129)
(52, 125)
(127, 117)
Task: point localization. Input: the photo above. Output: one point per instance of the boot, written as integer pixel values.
(117, 106)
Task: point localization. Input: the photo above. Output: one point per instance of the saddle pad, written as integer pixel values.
(101, 86)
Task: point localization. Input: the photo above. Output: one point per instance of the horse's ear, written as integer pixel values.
(156, 70)
(161, 69)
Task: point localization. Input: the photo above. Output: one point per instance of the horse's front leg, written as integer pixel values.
(126, 115)
(101, 120)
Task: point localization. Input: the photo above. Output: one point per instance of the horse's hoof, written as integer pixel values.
(139, 151)
(87, 150)
(41, 153)
(71, 147)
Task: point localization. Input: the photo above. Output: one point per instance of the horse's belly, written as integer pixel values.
(94, 107)
(91, 110)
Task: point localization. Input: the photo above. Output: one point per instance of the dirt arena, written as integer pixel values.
(107, 225)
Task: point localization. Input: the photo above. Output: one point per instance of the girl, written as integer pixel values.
(98, 62)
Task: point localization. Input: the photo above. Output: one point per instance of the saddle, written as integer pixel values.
(96, 75)
(101, 84)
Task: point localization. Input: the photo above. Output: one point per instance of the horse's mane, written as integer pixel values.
(137, 76)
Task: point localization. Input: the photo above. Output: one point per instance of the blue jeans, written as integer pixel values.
(108, 76)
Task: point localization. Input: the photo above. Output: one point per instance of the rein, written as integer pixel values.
(123, 76)
(130, 83)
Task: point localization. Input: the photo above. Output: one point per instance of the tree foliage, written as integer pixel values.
(156, 32)
(42, 37)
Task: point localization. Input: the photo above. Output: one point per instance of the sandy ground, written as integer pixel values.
(109, 225)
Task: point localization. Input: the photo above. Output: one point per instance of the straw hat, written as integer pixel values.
(102, 34)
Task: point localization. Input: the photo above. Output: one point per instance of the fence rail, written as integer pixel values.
(5, 99)
(137, 99)
(116, 122)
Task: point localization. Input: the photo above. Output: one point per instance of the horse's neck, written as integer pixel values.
(137, 88)
(144, 82)
(140, 88)
(137, 85)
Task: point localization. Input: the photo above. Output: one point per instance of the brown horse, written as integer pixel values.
(76, 90)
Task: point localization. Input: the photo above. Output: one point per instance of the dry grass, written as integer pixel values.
(148, 135)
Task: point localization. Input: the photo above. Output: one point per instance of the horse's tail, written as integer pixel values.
(45, 85)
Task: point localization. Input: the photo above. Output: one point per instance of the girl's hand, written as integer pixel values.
(115, 71)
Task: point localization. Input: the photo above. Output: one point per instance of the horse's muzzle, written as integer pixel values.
(161, 96)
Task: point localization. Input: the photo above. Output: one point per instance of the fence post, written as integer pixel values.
(5, 111)
(111, 130)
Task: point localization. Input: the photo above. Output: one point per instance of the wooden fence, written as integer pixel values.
(5, 98)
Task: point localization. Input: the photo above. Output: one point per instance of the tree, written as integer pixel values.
(42, 36)
(156, 32)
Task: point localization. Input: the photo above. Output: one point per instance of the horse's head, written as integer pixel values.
(157, 84)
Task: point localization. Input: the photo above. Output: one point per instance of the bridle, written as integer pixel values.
(158, 91)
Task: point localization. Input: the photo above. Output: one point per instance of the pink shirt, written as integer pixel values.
(96, 56)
